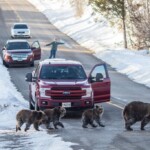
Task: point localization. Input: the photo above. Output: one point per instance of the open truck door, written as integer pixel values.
(35, 47)
(100, 83)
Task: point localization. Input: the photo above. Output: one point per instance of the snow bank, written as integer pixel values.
(133, 64)
(11, 101)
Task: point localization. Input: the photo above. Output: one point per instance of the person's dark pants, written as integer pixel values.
(53, 54)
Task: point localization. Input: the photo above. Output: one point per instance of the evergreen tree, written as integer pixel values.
(111, 8)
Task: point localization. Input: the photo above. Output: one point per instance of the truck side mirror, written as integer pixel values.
(33, 48)
(99, 77)
(34, 79)
(3, 48)
(28, 77)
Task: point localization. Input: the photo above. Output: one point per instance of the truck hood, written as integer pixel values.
(64, 82)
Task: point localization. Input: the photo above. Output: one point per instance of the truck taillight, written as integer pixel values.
(43, 92)
(88, 92)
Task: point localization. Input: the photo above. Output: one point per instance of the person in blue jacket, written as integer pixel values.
(54, 46)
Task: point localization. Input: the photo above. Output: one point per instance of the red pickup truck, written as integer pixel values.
(61, 82)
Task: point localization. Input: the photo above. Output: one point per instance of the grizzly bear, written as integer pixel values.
(136, 111)
(91, 115)
(29, 117)
(54, 115)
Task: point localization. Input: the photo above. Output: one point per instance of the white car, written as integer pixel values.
(20, 30)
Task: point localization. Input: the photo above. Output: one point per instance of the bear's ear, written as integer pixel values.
(57, 108)
(96, 106)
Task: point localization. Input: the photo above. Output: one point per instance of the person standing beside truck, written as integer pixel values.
(54, 46)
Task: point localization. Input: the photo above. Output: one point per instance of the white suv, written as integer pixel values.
(20, 30)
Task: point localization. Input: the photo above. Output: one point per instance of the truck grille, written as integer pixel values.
(66, 88)
(66, 97)
(65, 93)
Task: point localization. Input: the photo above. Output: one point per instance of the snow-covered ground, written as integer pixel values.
(11, 101)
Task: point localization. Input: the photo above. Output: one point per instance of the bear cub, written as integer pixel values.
(29, 117)
(91, 115)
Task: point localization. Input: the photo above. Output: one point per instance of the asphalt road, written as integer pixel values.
(123, 90)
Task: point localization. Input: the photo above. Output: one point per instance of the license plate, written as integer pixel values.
(67, 104)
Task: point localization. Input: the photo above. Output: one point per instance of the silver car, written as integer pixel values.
(20, 30)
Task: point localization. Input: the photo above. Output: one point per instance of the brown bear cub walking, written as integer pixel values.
(136, 111)
(91, 115)
(29, 117)
(54, 115)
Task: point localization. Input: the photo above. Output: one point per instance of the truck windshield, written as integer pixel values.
(62, 72)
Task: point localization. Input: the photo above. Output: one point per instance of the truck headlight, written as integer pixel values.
(88, 92)
(7, 55)
(43, 92)
(31, 54)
